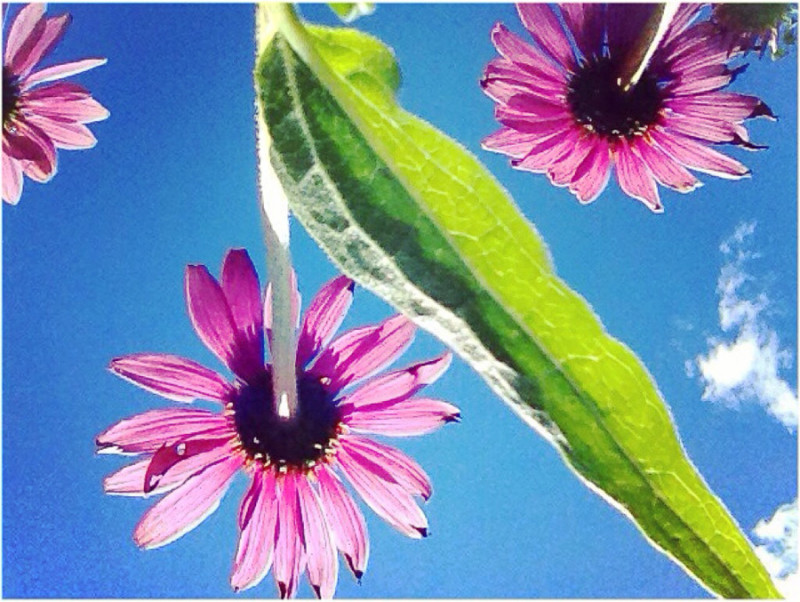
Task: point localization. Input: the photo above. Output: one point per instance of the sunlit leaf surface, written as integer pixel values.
(412, 216)
(350, 11)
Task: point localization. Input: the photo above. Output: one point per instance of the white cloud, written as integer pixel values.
(778, 550)
(743, 230)
(746, 362)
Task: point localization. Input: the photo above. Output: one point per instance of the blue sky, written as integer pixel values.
(93, 265)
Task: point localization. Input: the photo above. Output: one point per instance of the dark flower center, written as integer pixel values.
(297, 442)
(599, 104)
(10, 95)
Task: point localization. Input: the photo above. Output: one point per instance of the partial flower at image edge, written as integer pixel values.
(564, 113)
(40, 119)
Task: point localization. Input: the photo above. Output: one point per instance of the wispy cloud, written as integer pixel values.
(745, 363)
(778, 549)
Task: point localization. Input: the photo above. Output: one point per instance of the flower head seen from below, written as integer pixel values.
(296, 512)
(746, 26)
(38, 119)
(565, 113)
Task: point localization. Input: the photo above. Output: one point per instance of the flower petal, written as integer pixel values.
(544, 27)
(665, 169)
(322, 567)
(400, 468)
(62, 91)
(502, 78)
(591, 176)
(172, 377)
(400, 384)
(64, 133)
(562, 172)
(510, 142)
(256, 545)
(696, 155)
(170, 455)
(12, 178)
(65, 107)
(698, 59)
(243, 294)
(679, 45)
(323, 317)
(212, 319)
(23, 25)
(33, 148)
(702, 128)
(184, 508)
(147, 432)
(130, 479)
(388, 499)
(52, 31)
(700, 45)
(682, 18)
(536, 107)
(63, 70)
(722, 105)
(548, 152)
(551, 126)
(289, 554)
(707, 79)
(346, 521)
(362, 351)
(410, 417)
(634, 178)
(516, 50)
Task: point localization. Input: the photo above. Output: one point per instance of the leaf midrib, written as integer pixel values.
(578, 392)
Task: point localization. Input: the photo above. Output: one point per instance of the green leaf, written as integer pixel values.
(350, 11)
(414, 217)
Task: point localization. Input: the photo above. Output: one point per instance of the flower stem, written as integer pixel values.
(275, 214)
(652, 33)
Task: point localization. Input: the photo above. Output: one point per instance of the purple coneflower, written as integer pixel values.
(296, 512)
(39, 119)
(755, 27)
(564, 112)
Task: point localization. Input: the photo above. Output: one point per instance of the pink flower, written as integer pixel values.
(564, 114)
(757, 27)
(296, 512)
(38, 120)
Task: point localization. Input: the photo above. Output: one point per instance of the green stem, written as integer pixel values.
(652, 33)
(275, 217)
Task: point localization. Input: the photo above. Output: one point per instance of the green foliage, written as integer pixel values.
(414, 217)
(350, 11)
